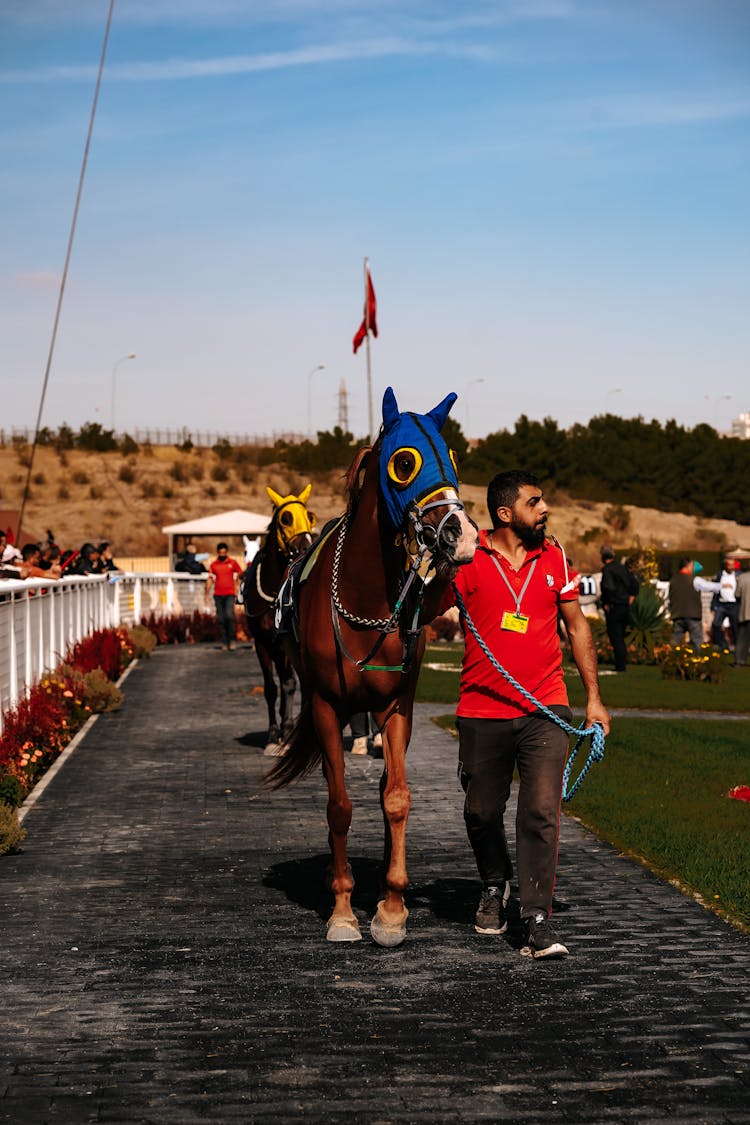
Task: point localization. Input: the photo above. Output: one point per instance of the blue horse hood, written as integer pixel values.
(418, 434)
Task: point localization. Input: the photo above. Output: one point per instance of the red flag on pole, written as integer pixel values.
(369, 322)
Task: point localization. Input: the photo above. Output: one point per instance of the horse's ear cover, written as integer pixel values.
(390, 409)
(274, 497)
(421, 432)
(440, 413)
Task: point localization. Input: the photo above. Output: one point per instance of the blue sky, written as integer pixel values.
(553, 194)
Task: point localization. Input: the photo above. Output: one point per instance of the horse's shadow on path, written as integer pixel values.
(304, 882)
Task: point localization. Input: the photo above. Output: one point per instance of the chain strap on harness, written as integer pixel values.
(390, 624)
(595, 732)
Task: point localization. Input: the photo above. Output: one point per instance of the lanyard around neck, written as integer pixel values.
(517, 598)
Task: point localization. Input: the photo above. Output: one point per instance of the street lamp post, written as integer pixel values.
(318, 367)
(716, 399)
(466, 403)
(122, 359)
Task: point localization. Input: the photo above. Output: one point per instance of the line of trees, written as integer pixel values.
(617, 460)
(626, 461)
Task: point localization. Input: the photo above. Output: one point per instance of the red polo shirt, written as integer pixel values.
(224, 571)
(534, 658)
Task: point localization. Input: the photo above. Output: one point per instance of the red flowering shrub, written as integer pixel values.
(183, 628)
(108, 649)
(43, 723)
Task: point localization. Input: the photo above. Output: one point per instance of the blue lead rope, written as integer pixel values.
(595, 732)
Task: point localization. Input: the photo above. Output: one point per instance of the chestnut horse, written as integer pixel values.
(377, 577)
(289, 535)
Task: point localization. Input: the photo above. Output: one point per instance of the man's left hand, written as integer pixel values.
(596, 712)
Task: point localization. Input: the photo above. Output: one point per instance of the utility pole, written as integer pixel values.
(343, 419)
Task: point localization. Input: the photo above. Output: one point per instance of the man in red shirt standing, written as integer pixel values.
(513, 591)
(224, 575)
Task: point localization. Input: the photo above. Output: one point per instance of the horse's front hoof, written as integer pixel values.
(343, 929)
(388, 931)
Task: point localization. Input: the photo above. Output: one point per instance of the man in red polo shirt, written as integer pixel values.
(224, 575)
(513, 591)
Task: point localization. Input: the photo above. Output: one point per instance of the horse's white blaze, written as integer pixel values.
(468, 540)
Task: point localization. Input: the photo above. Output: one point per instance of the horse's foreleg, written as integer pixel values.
(342, 925)
(388, 927)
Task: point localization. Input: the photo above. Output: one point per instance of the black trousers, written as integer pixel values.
(618, 617)
(489, 749)
(225, 613)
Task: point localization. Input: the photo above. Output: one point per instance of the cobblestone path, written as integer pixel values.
(163, 958)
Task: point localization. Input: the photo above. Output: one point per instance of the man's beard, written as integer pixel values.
(531, 537)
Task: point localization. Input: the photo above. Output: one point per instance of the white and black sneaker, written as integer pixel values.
(490, 917)
(540, 939)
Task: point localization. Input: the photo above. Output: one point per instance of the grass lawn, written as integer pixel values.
(660, 796)
(642, 687)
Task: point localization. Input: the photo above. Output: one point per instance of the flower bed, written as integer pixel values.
(39, 728)
(708, 664)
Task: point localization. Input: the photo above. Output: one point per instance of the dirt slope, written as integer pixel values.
(128, 499)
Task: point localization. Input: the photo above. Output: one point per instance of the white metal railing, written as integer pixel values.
(41, 621)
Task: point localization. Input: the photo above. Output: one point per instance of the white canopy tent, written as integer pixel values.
(237, 522)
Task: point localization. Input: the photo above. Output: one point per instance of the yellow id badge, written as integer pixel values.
(515, 622)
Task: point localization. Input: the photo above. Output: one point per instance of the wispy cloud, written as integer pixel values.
(40, 281)
(223, 66)
(217, 13)
(666, 108)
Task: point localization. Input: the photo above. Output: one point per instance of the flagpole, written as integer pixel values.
(367, 345)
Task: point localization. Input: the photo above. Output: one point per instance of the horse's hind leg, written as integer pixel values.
(288, 682)
(388, 926)
(270, 693)
(342, 925)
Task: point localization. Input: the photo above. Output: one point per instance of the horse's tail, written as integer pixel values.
(302, 754)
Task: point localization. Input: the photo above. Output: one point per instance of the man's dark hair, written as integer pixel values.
(683, 562)
(503, 490)
(607, 554)
(28, 551)
(220, 545)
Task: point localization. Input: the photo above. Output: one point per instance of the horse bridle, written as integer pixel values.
(414, 515)
(288, 553)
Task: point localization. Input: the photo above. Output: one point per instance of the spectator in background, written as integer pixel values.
(87, 562)
(9, 555)
(49, 557)
(619, 588)
(106, 560)
(685, 606)
(742, 646)
(30, 567)
(188, 563)
(724, 604)
(224, 576)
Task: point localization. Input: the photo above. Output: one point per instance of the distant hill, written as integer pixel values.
(128, 498)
